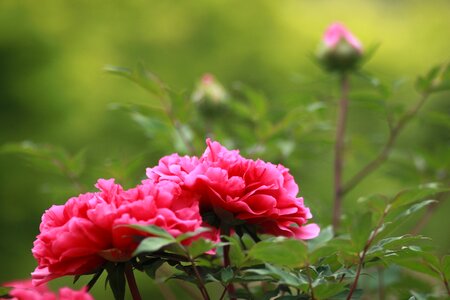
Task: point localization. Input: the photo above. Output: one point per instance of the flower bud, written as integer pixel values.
(340, 50)
(210, 95)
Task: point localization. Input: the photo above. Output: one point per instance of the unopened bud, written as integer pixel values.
(209, 95)
(340, 50)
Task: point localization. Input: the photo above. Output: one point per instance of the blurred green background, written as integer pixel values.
(53, 91)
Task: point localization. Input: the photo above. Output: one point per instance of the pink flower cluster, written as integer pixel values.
(25, 290)
(87, 231)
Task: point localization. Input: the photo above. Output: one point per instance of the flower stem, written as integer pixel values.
(225, 230)
(132, 282)
(200, 283)
(339, 150)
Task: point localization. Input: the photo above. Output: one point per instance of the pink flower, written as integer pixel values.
(72, 235)
(80, 236)
(25, 290)
(337, 32)
(259, 193)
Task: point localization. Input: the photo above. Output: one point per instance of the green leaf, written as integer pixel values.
(409, 196)
(153, 230)
(376, 203)
(393, 243)
(361, 229)
(200, 246)
(326, 234)
(152, 244)
(281, 251)
(328, 289)
(116, 279)
(187, 235)
(436, 80)
(226, 274)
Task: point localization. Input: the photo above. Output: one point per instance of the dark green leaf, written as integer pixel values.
(151, 268)
(281, 251)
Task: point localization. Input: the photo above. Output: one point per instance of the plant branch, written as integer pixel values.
(386, 150)
(132, 282)
(339, 150)
(363, 253)
(200, 283)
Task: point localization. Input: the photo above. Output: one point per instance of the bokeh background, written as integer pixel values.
(53, 91)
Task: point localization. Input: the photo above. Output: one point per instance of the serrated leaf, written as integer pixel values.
(280, 251)
(152, 244)
(153, 230)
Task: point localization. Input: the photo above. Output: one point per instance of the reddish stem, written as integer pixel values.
(132, 282)
(339, 150)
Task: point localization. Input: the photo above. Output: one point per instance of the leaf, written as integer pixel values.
(361, 229)
(328, 289)
(152, 244)
(116, 279)
(226, 274)
(326, 234)
(153, 230)
(187, 235)
(409, 196)
(281, 251)
(237, 257)
(376, 203)
(153, 266)
(393, 243)
(200, 246)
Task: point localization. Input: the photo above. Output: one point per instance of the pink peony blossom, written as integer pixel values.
(337, 32)
(25, 290)
(81, 235)
(256, 192)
